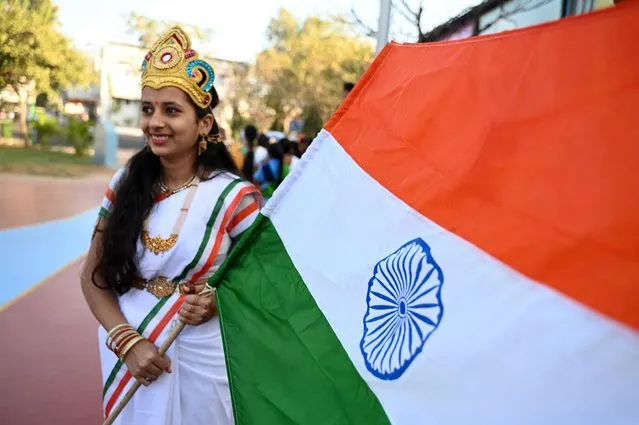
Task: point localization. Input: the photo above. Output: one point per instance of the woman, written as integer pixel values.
(167, 222)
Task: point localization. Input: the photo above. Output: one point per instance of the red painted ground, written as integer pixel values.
(49, 366)
(28, 200)
(50, 369)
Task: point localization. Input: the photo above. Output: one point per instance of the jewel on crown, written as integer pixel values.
(172, 63)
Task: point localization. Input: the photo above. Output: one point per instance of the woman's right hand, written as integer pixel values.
(145, 362)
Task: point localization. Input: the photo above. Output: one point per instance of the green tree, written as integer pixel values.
(306, 64)
(35, 56)
(148, 30)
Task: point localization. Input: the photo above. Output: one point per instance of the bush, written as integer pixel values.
(46, 129)
(79, 134)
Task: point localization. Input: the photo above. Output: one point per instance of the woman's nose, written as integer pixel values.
(157, 121)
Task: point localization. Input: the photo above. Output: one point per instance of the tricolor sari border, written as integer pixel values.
(226, 218)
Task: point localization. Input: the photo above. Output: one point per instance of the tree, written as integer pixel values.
(35, 56)
(507, 10)
(148, 30)
(306, 64)
(408, 13)
(413, 14)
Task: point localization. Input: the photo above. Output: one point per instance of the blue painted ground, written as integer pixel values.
(32, 253)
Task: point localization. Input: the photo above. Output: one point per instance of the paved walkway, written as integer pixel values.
(50, 370)
(50, 367)
(27, 200)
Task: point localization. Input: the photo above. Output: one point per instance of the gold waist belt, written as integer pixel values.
(162, 286)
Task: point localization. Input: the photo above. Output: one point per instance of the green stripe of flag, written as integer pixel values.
(285, 363)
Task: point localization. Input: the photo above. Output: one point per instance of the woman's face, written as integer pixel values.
(169, 122)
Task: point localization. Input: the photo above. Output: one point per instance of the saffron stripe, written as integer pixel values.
(209, 229)
(554, 196)
(110, 195)
(154, 335)
(250, 209)
(220, 233)
(140, 330)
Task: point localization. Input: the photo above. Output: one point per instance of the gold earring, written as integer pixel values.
(202, 144)
(215, 138)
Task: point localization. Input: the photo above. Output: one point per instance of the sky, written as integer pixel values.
(238, 26)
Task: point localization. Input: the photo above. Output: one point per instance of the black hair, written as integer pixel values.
(293, 149)
(289, 147)
(250, 132)
(262, 140)
(134, 198)
(275, 151)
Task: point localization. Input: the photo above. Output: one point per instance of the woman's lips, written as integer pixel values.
(159, 139)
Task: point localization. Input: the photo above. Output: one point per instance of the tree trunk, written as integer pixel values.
(23, 98)
(24, 128)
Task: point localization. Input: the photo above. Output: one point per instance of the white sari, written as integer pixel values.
(197, 390)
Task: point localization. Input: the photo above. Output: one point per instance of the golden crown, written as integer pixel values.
(172, 63)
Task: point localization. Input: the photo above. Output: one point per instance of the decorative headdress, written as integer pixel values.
(172, 63)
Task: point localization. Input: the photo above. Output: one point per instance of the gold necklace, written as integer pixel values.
(157, 244)
(180, 188)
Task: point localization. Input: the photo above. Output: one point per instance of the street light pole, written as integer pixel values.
(384, 23)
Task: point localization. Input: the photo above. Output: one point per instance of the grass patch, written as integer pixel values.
(47, 163)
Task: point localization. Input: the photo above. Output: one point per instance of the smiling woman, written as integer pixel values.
(167, 121)
(167, 221)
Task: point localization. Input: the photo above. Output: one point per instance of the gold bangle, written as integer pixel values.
(129, 346)
(121, 337)
(116, 334)
(115, 328)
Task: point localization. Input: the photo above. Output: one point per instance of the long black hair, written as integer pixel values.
(250, 134)
(134, 198)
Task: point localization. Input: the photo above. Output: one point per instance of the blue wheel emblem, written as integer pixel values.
(404, 308)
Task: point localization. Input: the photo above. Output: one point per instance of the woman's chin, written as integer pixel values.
(161, 150)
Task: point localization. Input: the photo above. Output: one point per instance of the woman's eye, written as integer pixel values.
(171, 110)
(146, 110)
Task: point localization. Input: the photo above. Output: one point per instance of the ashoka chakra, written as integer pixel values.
(404, 308)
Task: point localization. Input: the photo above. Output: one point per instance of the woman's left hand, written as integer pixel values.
(198, 309)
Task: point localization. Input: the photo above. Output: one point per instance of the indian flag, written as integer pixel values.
(459, 246)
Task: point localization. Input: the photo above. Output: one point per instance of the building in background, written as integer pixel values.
(493, 16)
(81, 102)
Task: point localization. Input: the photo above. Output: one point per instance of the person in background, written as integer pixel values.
(250, 137)
(291, 156)
(269, 175)
(304, 144)
(261, 150)
(348, 87)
